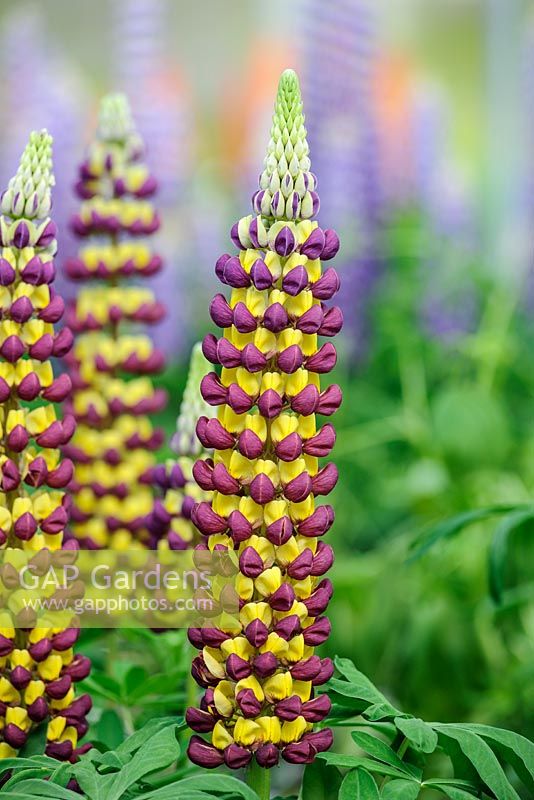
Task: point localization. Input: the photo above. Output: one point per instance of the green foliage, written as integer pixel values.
(429, 428)
(470, 424)
(136, 675)
(399, 754)
(126, 773)
(514, 518)
(319, 782)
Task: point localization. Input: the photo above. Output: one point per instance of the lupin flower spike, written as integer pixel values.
(37, 665)
(170, 523)
(185, 441)
(114, 442)
(260, 675)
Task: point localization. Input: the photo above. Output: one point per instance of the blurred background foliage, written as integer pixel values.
(420, 118)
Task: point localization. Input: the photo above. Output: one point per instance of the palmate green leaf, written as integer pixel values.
(342, 708)
(20, 763)
(320, 781)
(358, 785)
(383, 752)
(400, 790)
(358, 686)
(90, 781)
(38, 788)
(158, 752)
(219, 784)
(208, 785)
(378, 711)
(353, 762)
(36, 767)
(109, 760)
(169, 793)
(24, 775)
(448, 528)
(516, 749)
(482, 758)
(418, 733)
(14, 795)
(451, 789)
(138, 739)
(498, 553)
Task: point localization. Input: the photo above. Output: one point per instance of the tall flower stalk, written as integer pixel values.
(170, 523)
(260, 675)
(37, 664)
(112, 361)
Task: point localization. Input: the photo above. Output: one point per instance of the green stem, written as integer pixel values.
(403, 748)
(414, 398)
(491, 343)
(259, 779)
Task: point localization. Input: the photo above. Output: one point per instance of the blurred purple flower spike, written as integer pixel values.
(338, 53)
(142, 71)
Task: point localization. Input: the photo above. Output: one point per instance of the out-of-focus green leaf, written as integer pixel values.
(35, 744)
(471, 425)
(159, 683)
(109, 729)
(498, 553)
(450, 527)
(104, 686)
(134, 678)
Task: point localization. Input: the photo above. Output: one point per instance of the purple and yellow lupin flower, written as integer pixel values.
(170, 522)
(37, 665)
(114, 442)
(260, 675)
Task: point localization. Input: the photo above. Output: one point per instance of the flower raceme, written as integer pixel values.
(261, 672)
(113, 444)
(38, 667)
(170, 522)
